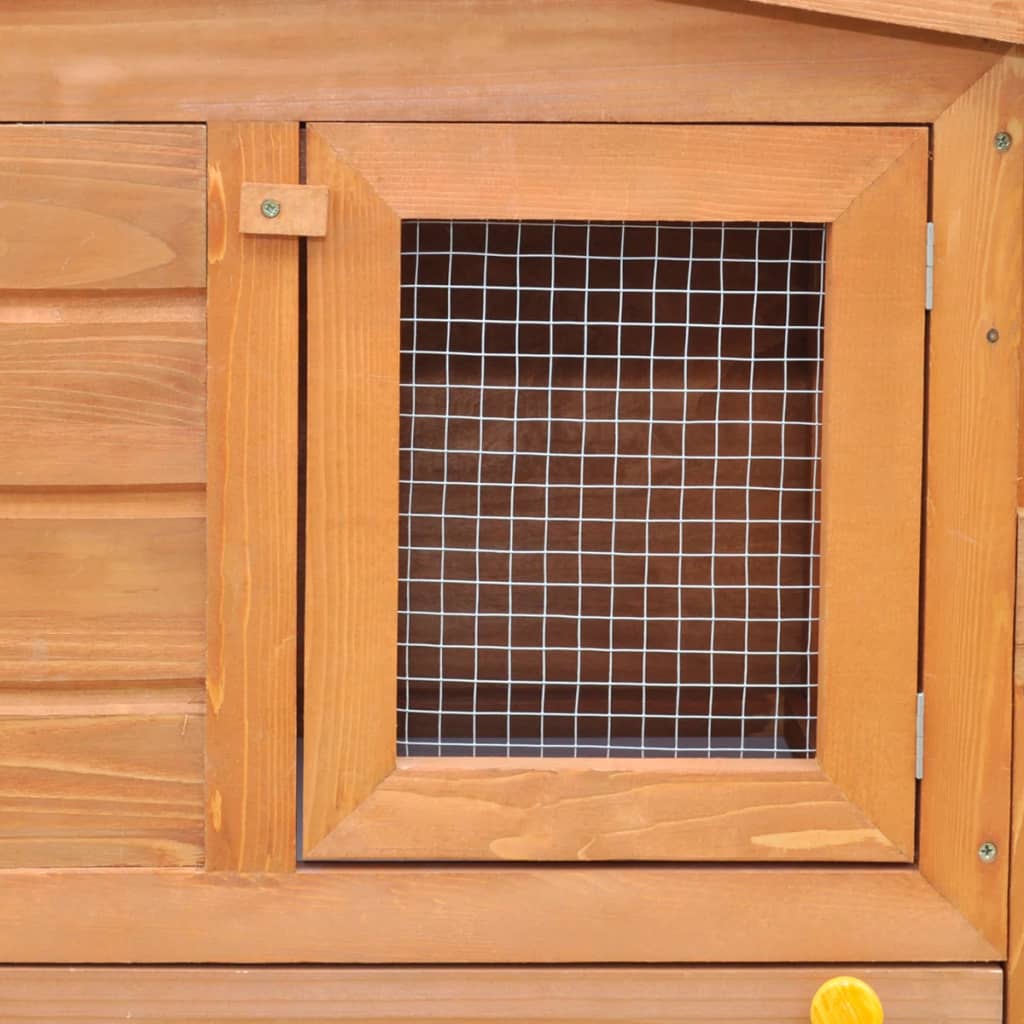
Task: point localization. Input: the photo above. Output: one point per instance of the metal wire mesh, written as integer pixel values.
(610, 438)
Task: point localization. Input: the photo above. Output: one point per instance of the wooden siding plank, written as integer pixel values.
(102, 206)
(971, 497)
(477, 914)
(117, 397)
(97, 790)
(665, 995)
(496, 60)
(101, 599)
(252, 526)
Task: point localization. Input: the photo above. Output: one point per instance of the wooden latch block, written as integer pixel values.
(269, 209)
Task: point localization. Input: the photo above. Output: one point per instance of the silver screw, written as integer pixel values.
(270, 208)
(993, 336)
(1003, 141)
(988, 852)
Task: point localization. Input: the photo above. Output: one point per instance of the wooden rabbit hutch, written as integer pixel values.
(509, 510)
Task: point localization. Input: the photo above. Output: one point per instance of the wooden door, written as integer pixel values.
(613, 553)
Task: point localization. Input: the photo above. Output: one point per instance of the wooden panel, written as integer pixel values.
(589, 809)
(668, 995)
(186, 502)
(483, 915)
(253, 424)
(1015, 952)
(993, 19)
(118, 790)
(580, 172)
(101, 206)
(352, 497)
(871, 494)
(102, 390)
(629, 60)
(101, 599)
(971, 500)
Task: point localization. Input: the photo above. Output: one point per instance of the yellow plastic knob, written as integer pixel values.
(846, 1001)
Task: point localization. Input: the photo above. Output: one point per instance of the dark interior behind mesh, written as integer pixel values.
(609, 456)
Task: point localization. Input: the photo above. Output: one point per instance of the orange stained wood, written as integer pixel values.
(251, 539)
(102, 206)
(80, 785)
(492, 60)
(993, 19)
(872, 436)
(481, 914)
(352, 496)
(95, 599)
(102, 390)
(576, 995)
(1015, 953)
(269, 208)
(971, 501)
(860, 804)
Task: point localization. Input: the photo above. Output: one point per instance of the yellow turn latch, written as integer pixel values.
(846, 1001)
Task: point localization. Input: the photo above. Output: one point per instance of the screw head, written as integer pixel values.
(1003, 141)
(270, 208)
(992, 336)
(987, 852)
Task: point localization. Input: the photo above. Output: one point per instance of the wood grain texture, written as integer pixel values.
(483, 915)
(872, 436)
(252, 525)
(588, 809)
(104, 391)
(101, 206)
(1015, 952)
(302, 209)
(495, 60)
(665, 995)
(101, 599)
(352, 496)
(971, 499)
(185, 502)
(991, 19)
(636, 172)
(93, 790)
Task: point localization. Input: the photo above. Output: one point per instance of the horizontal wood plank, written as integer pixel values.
(668, 995)
(102, 206)
(112, 394)
(992, 19)
(618, 172)
(441, 808)
(157, 502)
(96, 790)
(624, 60)
(483, 915)
(102, 599)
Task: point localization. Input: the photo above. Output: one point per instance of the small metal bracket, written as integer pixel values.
(269, 209)
(929, 268)
(919, 739)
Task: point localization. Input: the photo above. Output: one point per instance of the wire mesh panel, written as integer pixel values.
(610, 438)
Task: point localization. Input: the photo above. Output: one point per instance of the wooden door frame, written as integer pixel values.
(949, 907)
(856, 799)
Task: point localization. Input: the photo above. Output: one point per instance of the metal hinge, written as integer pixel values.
(929, 267)
(919, 739)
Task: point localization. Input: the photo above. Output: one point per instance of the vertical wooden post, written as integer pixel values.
(971, 498)
(253, 329)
